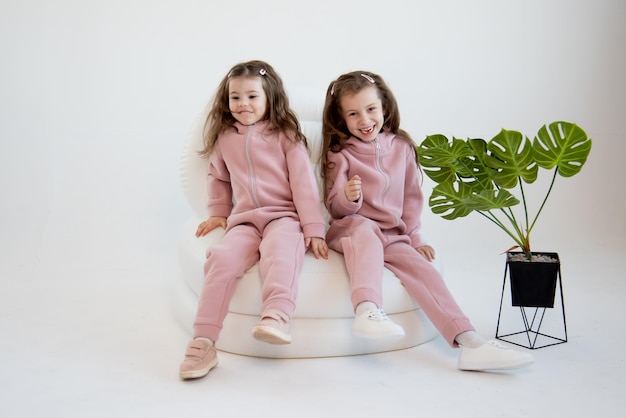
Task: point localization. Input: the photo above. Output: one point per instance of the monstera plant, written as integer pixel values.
(489, 178)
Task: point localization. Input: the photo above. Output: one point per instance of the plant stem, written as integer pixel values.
(521, 188)
(513, 221)
(544, 200)
(491, 217)
(526, 238)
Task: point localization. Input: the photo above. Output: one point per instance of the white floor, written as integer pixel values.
(89, 343)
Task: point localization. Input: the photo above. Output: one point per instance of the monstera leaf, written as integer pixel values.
(512, 156)
(563, 145)
(453, 200)
(481, 171)
(443, 159)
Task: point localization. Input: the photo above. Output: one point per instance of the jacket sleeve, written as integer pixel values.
(337, 203)
(305, 192)
(219, 187)
(413, 200)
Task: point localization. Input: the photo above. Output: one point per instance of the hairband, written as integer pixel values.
(365, 76)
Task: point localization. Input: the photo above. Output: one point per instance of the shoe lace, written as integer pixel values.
(497, 344)
(377, 315)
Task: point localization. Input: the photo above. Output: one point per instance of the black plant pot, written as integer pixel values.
(533, 284)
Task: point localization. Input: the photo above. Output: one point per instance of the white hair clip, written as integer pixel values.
(368, 78)
(262, 71)
(332, 90)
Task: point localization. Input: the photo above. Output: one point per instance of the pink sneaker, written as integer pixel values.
(273, 328)
(200, 357)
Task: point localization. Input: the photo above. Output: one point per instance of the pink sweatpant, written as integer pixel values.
(279, 249)
(367, 250)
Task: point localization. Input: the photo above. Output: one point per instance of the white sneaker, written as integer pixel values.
(375, 324)
(493, 356)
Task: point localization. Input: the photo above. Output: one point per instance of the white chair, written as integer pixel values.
(323, 317)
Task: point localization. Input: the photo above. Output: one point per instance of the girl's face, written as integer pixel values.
(247, 101)
(363, 113)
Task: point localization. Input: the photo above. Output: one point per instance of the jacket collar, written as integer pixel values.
(383, 142)
(260, 126)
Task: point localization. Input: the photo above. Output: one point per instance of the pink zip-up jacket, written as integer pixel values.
(257, 174)
(391, 193)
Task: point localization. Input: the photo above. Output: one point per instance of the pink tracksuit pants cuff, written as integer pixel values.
(454, 328)
(206, 331)
(366, 295)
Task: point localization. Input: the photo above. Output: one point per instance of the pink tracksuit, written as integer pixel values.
(382, 228)
(276, 205)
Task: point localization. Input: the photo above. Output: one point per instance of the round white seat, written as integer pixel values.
(322, 321)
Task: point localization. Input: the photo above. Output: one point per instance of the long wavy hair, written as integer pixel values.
(279, 114)
(334, 129)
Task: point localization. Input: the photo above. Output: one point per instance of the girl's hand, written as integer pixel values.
(318, 246)
(427, 251)
(210, 224)
(353, 189)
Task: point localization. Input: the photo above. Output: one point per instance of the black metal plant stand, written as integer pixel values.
(533, 318)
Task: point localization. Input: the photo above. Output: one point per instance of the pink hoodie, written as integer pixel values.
(267, 176)
(391, 193)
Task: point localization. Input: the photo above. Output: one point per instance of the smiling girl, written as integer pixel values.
(263, 192)
(374, 197)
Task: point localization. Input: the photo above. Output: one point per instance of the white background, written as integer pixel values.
(97, 97)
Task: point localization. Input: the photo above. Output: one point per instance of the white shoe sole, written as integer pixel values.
(270, 335)
(194, 374)
(376, 336)
(493, 366)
